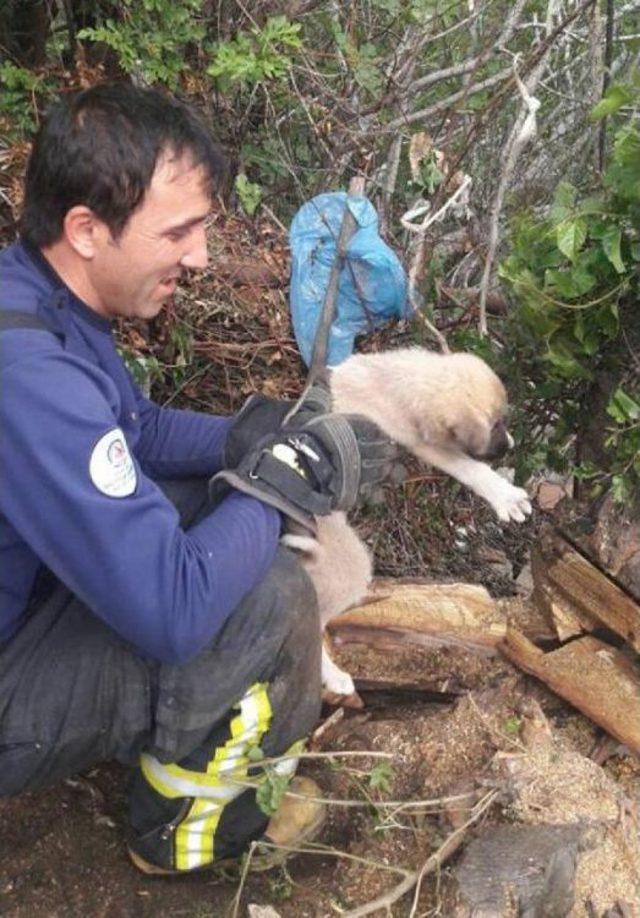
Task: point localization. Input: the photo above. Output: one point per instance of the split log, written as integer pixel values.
(433, 615)
(594, 677)
(577, 595)
(615, 543)
(416, 638)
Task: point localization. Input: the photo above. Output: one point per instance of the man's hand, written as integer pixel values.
(261, 416)
(311, 468)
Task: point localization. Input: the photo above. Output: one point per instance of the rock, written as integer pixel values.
(549, 494)
(524, 581)
(529, 868)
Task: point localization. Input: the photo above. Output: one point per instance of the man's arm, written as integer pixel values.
(177, 443)
(86, 508)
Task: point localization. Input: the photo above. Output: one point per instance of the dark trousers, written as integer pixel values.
(72, 694)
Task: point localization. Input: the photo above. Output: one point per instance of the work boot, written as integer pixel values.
(298, 819)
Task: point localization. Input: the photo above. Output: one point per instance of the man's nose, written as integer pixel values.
(196, 257)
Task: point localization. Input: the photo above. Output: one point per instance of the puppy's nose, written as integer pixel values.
(501, 441)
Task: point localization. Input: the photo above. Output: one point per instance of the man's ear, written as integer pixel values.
(83, 230)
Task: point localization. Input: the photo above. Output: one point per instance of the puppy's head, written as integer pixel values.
(478, 406)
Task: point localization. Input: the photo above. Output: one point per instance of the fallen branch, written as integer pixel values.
(449, 846)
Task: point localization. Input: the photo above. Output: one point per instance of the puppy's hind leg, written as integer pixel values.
(340, 567)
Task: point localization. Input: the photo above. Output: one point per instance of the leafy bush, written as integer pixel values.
(151, 37)
(19, 89)
(575, 278)
(257, 55)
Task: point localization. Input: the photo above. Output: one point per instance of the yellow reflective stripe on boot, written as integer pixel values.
(212, 790)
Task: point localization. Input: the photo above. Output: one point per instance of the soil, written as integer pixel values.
(62, 851)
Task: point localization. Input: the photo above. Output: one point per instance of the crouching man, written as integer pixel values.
(147, 612)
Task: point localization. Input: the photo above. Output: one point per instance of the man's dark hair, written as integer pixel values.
(100, 147)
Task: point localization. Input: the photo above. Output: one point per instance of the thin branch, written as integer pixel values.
(449, 846)
(522, 132)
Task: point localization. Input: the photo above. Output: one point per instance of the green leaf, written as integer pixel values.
(565, 363)
(270, 793)
(571, 236)
(381, 776)
(570, 284)
(563, 201)
(620, 490)
(616, 96)
(250, 194)
(622, 408)
(611, 241)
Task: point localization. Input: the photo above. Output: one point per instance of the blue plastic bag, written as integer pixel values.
(373, 284)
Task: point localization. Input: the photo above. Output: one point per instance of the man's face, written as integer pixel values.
(136, 274)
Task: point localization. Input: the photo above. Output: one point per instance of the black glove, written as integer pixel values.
(313, 468)
(260, 416)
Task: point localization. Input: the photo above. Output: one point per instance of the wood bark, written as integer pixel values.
(594, 677)
(429, 614)
(577, 595)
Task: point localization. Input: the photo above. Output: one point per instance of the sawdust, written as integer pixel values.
(552, 784)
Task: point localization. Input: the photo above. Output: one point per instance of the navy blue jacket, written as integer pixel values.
(79, 448)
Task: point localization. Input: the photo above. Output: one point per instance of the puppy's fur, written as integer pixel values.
(449, 411)
(340, 566)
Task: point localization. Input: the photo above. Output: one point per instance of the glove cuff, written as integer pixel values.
(336, 435)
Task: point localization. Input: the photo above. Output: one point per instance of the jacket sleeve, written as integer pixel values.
(176, 443)
(116, 541)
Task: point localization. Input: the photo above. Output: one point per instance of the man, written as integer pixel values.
(139, 620)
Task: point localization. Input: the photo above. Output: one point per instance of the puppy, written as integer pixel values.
(448, 410)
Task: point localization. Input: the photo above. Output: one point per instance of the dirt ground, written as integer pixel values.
(62, 851)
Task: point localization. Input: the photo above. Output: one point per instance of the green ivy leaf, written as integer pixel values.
(620, 490)
(250, 194)
(571, 236)
(611, 241)
(570, 284)
(616, 96)
(563, 201)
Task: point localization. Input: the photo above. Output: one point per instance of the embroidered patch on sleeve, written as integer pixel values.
(111, 467)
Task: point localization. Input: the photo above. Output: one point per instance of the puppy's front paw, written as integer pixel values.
(509, 502)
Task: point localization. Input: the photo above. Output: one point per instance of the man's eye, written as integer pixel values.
(176, 235)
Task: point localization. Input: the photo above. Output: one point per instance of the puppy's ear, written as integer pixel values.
(472, 435)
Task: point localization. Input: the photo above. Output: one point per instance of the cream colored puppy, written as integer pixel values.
(448, 410)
